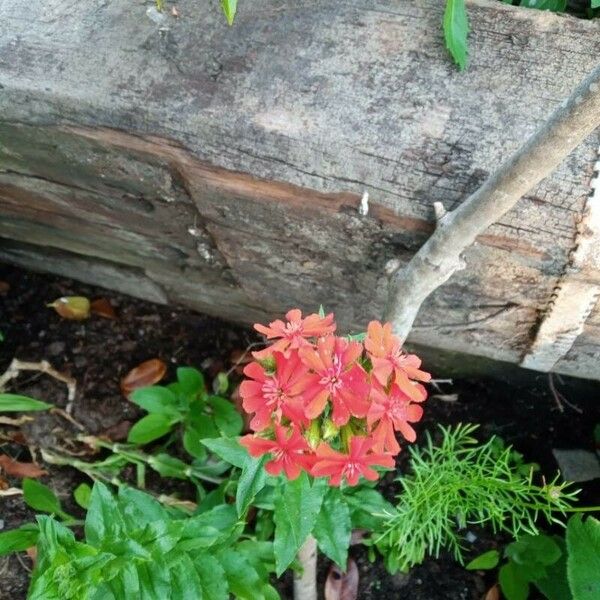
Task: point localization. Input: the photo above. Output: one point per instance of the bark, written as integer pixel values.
(305, 584)
(440, 256)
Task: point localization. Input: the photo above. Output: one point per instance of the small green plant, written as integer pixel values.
(18, 403)
(560, 568)
(462, 482)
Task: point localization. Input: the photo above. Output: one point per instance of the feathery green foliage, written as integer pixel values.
(462, 482)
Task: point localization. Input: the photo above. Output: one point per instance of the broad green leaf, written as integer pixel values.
(334, 527)
(156, 399)
(227, 418)
(19, 539)
(103, 518)
(17, 403)
(150, 428)
(155, 581)
(553, 5)
(554, 585)
(534, 550)
(41, 497)
(368, 507)
(512, 584)
(456, 29)
(297, 505)
(252, 480)
(583, 561)
(140, 508)
(192, 443)
(191, 381)
(595, 3)
(244, 582)
(212, 578)
(211, 527)
(229, 9)
(487, 560)
(82, 495)
(229, 449)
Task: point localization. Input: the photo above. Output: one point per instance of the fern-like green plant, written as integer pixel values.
(462, 482)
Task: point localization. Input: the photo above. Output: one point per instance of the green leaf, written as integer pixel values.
(150, 428)
(368, 507)
(229, 449)
(297, 505)
(244, 582)
(595, 3)
(334, 527)
(191, 381)
(169, 466)
(221, 383)
(533, 550)
(156, 400)
(192, 443)
(487, 560)
(229, 9)
(185, 581)
(554, 584)
(103, 518)
(17, 403)
(252, 480)
(139, 508)
(321, 311)
(553, 5)
(227, 418)
(82, 495)
(155, 581)
(583, 561)
(512, 584)
(212, 578)
(40, 497)
(456, 29)
(19, 539)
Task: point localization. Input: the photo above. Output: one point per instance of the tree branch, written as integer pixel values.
(440, 256)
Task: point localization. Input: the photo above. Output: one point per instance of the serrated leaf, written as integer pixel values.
(297, 505)
(229, 9)
(156, 400)
(18, 403)
(140, 508)
(212, 578)
(19, 539)
(244, 582)
(103, 518)
(456, 30)
(513, 586)
(583, 557)
(150, 428)
(251, 481)
(185, 581)
(40, 497)
(229, 449)
(485, 561)
(333, 527)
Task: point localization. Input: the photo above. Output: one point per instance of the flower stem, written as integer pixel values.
(305, 583)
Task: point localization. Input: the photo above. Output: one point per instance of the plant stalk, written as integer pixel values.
(305, 583)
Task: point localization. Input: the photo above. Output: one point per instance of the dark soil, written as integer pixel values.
(98, 352)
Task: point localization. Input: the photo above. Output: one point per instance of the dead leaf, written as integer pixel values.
(342, 586)
(15, 422)
(174, 11)
(32, 553)
(146, 373)
(103, 308)
(11, 492)
(359, 536)
(492, 594)
(75, 308)
(118, 432)
(20, 469)
(3, 484)
(4, 288)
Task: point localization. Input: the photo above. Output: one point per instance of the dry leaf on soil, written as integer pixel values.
(76, 308)
(32, 553)
(146, 373)
(492, 594)
(4, 288)
(103, 308)
(342, 586)
(118, 432)
(20, 469)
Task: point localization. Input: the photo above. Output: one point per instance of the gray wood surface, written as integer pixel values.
(221, 168)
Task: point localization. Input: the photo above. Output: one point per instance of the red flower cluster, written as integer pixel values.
(329, 405)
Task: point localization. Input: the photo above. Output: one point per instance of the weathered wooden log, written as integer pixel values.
(222, 168)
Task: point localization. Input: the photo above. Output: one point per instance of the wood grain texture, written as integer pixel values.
(119, 136)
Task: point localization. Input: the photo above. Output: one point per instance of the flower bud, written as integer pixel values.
(329, 430)
(313, 435)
